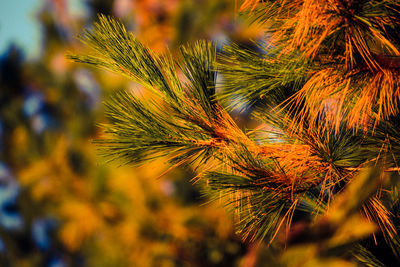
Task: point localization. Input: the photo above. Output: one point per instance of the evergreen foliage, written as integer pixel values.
(325, 91)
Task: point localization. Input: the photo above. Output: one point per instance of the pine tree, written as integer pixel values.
(321, 168)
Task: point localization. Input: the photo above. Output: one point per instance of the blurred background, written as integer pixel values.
(61, 204)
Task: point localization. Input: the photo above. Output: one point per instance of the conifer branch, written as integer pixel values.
(307, 95)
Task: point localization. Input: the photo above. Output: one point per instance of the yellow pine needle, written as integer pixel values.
(376, 212)
(289, 214)
(249, 4)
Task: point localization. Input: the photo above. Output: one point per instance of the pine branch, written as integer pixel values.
(349, 48)
(309, 155)
(187, 124)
